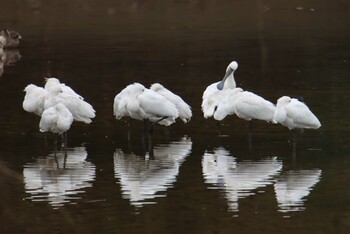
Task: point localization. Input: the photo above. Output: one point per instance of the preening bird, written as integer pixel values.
(11, 38)
(246, 105)
(80, 109)
(292, 113)
(183, 108)
(56, 119)
(121, 101)
(138, 102)
(34, 99)
(212, 94)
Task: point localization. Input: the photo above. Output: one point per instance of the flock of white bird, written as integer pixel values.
(224, 98)
(58, 105)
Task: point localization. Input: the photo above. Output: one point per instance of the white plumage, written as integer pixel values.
(246, 105)
(34, 99)
(81, 110)
(292, 113)
(183, 108)
(213, 93)
(140, 103)
(121, 101)
(56, 119)
(53, 82)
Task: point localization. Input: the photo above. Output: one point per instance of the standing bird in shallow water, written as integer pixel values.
(292, 113)
(246, 105)
(213, 93)
(34, 99)
(137, 102)
(183, 108)
(56, 119)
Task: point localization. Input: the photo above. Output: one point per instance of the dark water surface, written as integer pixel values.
(203, 178)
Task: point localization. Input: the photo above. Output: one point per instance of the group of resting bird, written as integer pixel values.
(58, 105)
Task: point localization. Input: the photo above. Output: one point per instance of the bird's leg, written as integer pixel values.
(55, 152)
(65, 157)
(146, 133)
(150, 146)
(146, 126)
(65, 142)
(294, 147)
(250, 135)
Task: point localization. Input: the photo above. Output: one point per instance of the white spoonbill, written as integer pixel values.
(144, 104)
(81, 110)
(212, 94)
(56, 119)
(53, 82)
(184, 109)
(246, 105)
(34, 99)
(121, 101)
(292, 113)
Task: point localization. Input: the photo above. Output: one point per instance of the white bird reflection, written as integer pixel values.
(238, 179)
(59, 178)
(143, 179)
(293, 187)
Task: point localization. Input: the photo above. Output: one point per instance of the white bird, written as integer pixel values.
(213, 93)
(183, 108)
(56, 119)
(292, 113)
(246, 105)
(11, 38)
(34, 99)
(53, 82)
(140, 103)
(81, 110)
(121, 101)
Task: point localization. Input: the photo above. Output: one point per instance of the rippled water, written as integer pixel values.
(199, 177)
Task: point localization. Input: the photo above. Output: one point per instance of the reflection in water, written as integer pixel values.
(59, 179)
(239, 179)
(293, 187)
(8, 58)
(142, 179)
